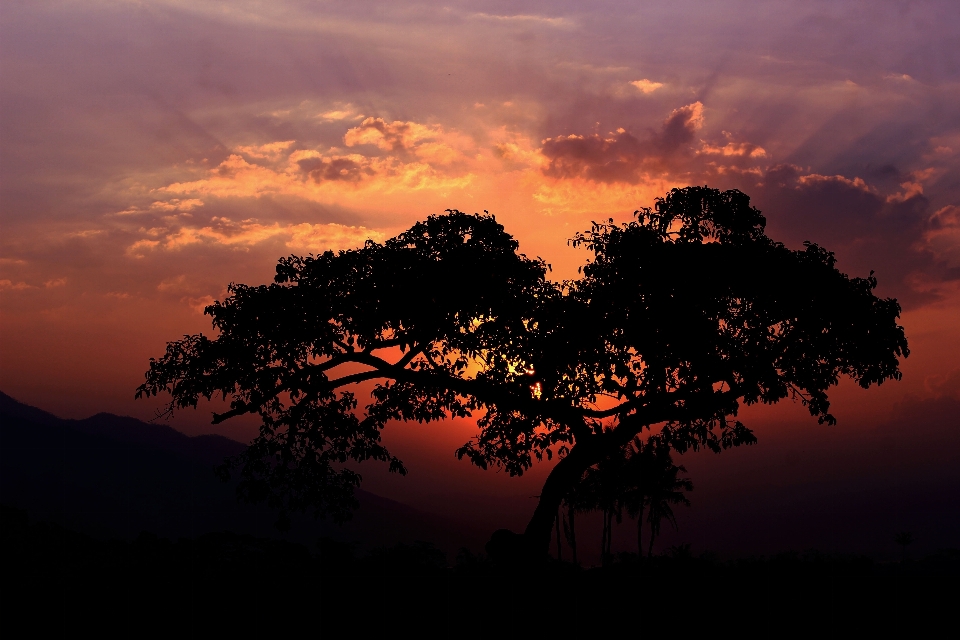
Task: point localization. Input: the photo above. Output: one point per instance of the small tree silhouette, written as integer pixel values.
(641, 479)
(666, 490)
(904, 539)
(575, 501)
(602, 489)
(651, 484)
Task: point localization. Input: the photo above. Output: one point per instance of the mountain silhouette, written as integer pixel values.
(113, 476)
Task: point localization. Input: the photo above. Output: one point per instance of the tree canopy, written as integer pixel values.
(679, 318)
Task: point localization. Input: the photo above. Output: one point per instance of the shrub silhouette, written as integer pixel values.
(679, 317)
(904, 539)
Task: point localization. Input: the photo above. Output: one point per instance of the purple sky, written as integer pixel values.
(152, 152)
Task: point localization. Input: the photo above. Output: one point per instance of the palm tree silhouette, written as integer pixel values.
(573, 502)
(904, 539)
(668, 489)
(643, 480)
(651, 485)
(601, 489)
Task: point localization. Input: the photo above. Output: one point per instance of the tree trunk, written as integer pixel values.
(562, 478)
(573, 534)
(640, 534)
(603, 540)
(609, 555)
(559, 540)
(650, 548)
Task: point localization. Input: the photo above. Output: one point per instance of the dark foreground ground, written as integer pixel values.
(61, 583)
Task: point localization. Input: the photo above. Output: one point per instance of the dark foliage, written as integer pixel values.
(679, 318)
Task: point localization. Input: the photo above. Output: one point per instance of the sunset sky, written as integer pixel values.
(152, 152)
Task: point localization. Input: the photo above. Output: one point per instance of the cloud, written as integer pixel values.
(176, 204)
(14, 286)
(247, 233)
(868, 230)
(678, 129)
(438, 154)
(946, 218)
(734, 149)
(942, 238)
(316, 238)
(271, 150)
(646, 86)
(390, 136)
(910, 190)
(350, 168)
(602, 159)
(518, 152)
(172, 284)
(820, 208)
(914, 186)
(524, 19)
(200, 303)
(621, 156)
(141, 247)
(410, 157)
(346, 112)
(235, 177)
(315, 177)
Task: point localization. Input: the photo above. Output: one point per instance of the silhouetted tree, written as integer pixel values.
(904, 539)
(602, 489)
(651, 485)
(641, 479)
(575, 501)
(679, 318)
(665, 490)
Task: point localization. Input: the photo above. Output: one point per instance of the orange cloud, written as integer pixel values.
(176, 204)
(15, 286)
(390, 136)
(272, 150)
(816, 178)
(910, 190)
(736, 149)
(172, 284)
(321, 237)
(646, 86)
(420, 162)
(346, 112)
(226, 232)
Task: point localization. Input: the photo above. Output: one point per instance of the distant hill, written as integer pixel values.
(114, 476)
